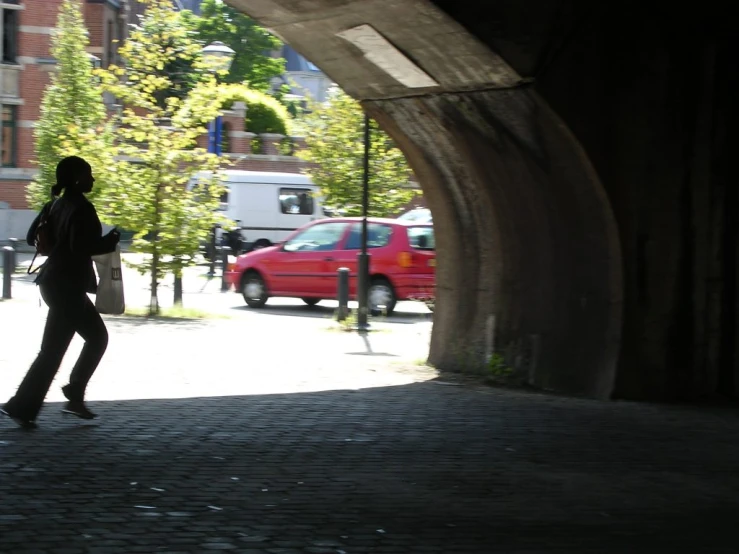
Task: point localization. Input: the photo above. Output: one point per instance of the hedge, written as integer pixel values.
(264, 114)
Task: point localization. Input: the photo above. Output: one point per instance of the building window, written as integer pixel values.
(296, 201)
(9, 42)
(8, 136)
(226, 137)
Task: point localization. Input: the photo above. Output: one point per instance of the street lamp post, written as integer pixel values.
(218, 58)
(363, 258)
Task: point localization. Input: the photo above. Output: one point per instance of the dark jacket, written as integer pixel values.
(77, 236)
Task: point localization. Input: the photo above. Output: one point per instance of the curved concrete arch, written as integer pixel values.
(526, 237)
(577, 172)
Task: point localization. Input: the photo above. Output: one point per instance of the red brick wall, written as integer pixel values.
(95, 21)
(14, 193)
(258, 163)
(42, 14)
(32, 81)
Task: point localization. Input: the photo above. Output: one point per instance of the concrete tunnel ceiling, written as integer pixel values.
(496, 106)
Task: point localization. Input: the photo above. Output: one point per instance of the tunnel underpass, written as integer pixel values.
(573, 156)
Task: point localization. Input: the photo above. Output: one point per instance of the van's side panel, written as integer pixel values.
(256, 210)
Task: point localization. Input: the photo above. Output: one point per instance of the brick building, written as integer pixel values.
(26, 63)
(25, 66)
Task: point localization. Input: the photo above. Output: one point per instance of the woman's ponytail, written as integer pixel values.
(56, 190)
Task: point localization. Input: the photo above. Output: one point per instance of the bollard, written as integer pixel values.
(178, 289)
(224, 263)
(8, 269)
(363, 262)
(14, 245)
(343, 293)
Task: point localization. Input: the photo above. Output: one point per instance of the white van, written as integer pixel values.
(268, 206)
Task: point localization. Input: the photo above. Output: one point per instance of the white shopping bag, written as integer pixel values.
(109, 298)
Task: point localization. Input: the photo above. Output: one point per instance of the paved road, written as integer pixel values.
(270, 433)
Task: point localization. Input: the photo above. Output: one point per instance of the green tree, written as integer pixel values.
(73, 116)
(334, 136)
(157, 148)
(252, 63)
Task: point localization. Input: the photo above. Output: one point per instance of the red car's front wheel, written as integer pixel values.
(254, 290)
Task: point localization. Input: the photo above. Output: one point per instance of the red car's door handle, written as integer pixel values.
(328, 259)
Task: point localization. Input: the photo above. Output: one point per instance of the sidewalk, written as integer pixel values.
(282, 348)
(167, 358)
(137, 286)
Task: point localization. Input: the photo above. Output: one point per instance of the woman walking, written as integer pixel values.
(65, 279)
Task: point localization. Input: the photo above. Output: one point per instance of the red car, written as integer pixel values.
(402, 263)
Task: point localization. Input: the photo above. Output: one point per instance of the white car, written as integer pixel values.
(417, 215)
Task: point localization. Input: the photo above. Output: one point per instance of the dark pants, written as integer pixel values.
(70, 312)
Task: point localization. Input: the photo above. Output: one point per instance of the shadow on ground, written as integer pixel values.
(328, 313)
(158, 321)
(417, 468)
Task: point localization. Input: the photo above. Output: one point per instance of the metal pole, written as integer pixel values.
(214, 147)
(8, 269)
(14, 245)
(213, 250)
(343, 293)
(363, 256)
(224, 267)
(178, 288)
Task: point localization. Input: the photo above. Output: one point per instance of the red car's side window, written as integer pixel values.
(320, 237)
(378, 235)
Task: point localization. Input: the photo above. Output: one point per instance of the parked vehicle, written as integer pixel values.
(417, 215)
(268, 205)
(402, 263)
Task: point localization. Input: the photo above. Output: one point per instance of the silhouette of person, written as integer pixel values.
(64, 280)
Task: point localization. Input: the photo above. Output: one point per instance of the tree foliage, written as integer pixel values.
(334, 136)
(252, 63)
(73, 116)
(158, 127)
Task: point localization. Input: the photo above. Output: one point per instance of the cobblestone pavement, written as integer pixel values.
(268, 433)
(409, 469)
